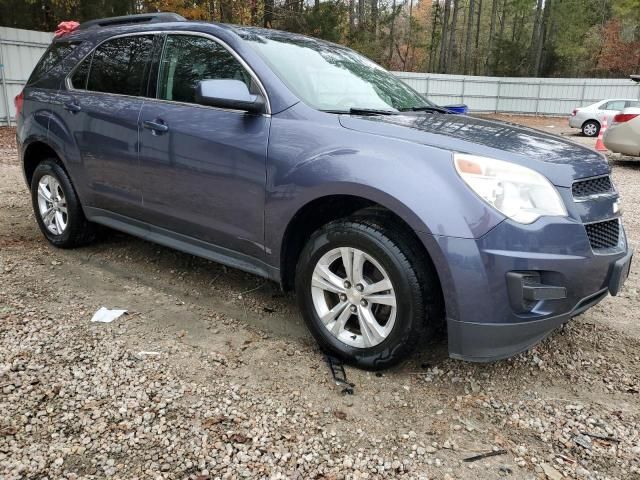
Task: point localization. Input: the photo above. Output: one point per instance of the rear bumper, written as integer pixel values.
(621, 139)
(575, 122)
(486, 317)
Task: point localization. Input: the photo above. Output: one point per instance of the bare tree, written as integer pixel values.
(435, 20)
(477, 53)
(467, 47)
(443, 42)
(452, 49)
(492, 26)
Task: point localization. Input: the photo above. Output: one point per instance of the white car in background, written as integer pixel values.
(623, 136)
(588, 119)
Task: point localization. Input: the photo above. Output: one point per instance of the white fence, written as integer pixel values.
(21, 49)
(538, 96)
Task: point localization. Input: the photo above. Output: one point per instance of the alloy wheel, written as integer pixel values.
(52, 205)
(590, 129)
(353, 296)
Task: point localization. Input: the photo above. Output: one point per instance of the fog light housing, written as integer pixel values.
(526, 290)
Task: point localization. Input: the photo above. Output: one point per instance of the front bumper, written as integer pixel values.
(484, 322)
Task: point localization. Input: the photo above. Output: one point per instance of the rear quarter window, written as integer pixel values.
(52, 58)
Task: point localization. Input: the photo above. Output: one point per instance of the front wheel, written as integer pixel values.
(362, 289)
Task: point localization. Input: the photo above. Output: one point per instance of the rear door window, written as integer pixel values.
(54, 56)
(633, 103)
(120, 66)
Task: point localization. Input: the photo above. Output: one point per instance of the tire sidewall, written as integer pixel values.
(408, 301)
(49, 167)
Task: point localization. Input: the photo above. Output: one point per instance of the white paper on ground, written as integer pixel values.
(104, 315)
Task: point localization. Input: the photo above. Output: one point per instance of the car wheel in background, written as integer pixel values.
(57, 207)
(364, 291)
(590, 128)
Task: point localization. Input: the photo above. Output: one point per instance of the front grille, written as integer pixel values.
(592, 186)
(603, 234)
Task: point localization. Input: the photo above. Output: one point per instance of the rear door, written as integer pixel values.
(102, 104)
(203, 167)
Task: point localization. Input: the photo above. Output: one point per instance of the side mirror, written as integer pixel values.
(232, 94)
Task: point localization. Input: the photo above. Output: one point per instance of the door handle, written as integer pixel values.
(72, 107)
(157, 126)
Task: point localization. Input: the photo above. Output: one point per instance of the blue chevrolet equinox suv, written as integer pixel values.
(302, 161)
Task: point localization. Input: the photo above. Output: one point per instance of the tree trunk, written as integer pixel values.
(443, 41)
(503, 22)
(391, 32)
(352, 17)
(477, 52)
(406, 58)
(543, 37)
(268, 13)
(535, 38)
(492, 26)
(452, 49)
(361, 15)
(374, 17)
(435, 16)
(467, 47)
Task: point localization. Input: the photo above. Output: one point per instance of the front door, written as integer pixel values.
(204, 167)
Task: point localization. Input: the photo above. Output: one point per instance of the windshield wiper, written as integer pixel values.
(426, 108)
(363, 111)
(370, 111)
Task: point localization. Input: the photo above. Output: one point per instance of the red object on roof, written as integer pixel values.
(66, 27)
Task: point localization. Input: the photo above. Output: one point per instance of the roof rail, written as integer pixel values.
(133, 19)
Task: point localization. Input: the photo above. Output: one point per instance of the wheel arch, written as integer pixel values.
(34, 153)
(322, 210)
(594, 120)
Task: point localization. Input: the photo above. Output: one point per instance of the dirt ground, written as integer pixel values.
(212, 374)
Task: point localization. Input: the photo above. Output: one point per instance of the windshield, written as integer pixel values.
(332, 78)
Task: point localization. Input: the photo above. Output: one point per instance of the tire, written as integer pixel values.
(71, 228)
(413, 283)
(590, 128)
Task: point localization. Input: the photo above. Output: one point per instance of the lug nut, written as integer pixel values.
(364, 303)
(359, 287)
(354, 308)
(343, 297)
(347, 284)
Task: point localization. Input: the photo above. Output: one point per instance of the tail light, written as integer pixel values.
(575, 110)
(19, 102)
(624, 117)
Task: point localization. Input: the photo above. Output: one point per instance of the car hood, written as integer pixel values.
(560, 160)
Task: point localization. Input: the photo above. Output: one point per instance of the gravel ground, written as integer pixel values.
(213, 375)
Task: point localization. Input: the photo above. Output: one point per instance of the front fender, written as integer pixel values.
(311, 156)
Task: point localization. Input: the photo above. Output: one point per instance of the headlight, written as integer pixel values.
(518, 192)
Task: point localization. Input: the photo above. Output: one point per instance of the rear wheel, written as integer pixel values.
(364, 291)
(590, 128)
(57, 207)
